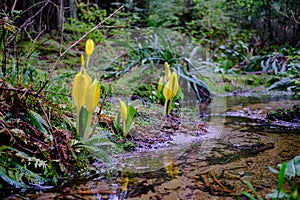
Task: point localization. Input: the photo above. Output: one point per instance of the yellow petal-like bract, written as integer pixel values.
(171, 87)
(89, 47)
(168, 72)
(123, 109)
(174, 80)
(160, 84)
(81, 82)
(167, 91)
(92, 96)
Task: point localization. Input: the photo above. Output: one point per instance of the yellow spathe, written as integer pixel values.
(168, 72)
(92, 96)
(123, 109)
(160, 85)
(81, 82)
(171, 87)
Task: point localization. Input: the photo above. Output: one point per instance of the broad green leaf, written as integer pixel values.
(274, 195)
(292, 167)
(117, 121)
(129, 120)
(83, 118)
(131, 111)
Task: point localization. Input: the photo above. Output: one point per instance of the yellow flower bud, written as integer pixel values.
(82, 60)
(89, 47)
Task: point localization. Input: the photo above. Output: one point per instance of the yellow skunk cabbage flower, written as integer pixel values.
(123, 109)
(85, 94)
(89, 47)
(170, 91)
(160, 85)
(168, 72)
(92, 96)
(171, 87)
(127, 114)
(80, 84)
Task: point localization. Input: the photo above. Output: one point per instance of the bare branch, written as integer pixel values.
(285, 14)
(29, 21)
(94, 28)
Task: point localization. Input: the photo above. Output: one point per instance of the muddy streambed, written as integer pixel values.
(206, 159)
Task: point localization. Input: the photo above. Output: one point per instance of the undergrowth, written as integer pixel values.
(33, 152)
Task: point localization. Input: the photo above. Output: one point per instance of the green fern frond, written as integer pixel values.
(17, 174)
(99, 153)
(96, 141)
(38, 122)
(10, 180)
(37, 162)
(29, 175)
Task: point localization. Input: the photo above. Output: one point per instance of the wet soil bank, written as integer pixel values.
(207, 158)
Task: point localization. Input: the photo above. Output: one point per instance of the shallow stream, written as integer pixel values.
(236, 144)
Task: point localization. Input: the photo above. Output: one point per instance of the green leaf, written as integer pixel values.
(117, 122)
(131, 112)
(274, 195)
(251, 187)
(281, 177)
(129, 120)
(99, 153)
(83, 118)
(4, 175)
(248, 195)
(275, 171)
(292, 167)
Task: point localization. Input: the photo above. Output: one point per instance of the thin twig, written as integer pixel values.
(13, 8)
(98, 114)
(30, 50)
(75, 43)
(19, 91)
(285, 14)
(43, 86)
(29, 20)
(61, 9)
(102, 104)
(219, 183)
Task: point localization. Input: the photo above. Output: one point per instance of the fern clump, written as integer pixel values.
(33, 153)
